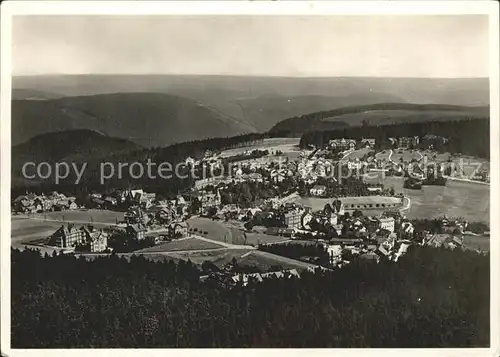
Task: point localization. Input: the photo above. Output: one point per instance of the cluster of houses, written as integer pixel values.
(134, 197)
(31, 203)
(344, 144)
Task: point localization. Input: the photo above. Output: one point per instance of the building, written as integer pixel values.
(406, 142)
(209, 200)
(318, 190)
(278, 176)
(178, 230)
(387, 223)
(368, 143)
(342, 144)
(406, 230)
(71, 236)
(338, 207)
(190, 161)
(259, 277)
(97, 239)
(68, 236)
(335, 253)
(293, 217)
(138, 231)
(110, 201)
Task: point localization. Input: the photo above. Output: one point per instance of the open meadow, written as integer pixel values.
(357, 154)
(214, 229)
(34, 228)
(191, 243)
(457, 199)
(265, 261)
(86, 216)
(288, 146)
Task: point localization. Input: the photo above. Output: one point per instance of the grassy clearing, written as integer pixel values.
(218, 257)
(215, 229)
(283, 144)
(262, 238)
(456, 199)
(358, 154)
(477, 242)
(180, 245)
(102, 216)
(264, 261)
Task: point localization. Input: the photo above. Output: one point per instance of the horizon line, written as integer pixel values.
(235, 75)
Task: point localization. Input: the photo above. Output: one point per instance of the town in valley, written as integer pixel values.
(264, 216)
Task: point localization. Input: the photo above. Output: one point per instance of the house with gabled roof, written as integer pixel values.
(138, 230)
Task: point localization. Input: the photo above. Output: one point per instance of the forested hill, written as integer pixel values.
(70, 145)
(378, 114)
(431, 298)
(94, 148)
(148, 119)
(467, 136)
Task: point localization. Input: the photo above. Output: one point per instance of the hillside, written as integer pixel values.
(467, 136)
(67, 146)
(378, 114)
(148, 119)
(264, 101)
(266, 111)
(432, 298)
(30, 94)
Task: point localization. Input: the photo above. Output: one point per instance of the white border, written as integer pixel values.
(8, 9)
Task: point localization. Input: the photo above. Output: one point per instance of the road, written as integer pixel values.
(407, 205)
(390, 156)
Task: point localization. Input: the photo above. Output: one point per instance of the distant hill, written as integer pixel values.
(72, 146)
(31, 94)
(148, 119)
(69, 145)
(261, 102)
(378, 114)
(266, 111)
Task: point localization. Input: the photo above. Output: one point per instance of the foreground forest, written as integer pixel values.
(430, 298)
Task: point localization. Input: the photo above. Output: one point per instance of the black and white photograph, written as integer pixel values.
(250, 176)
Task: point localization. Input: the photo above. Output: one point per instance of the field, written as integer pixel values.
(384, 117)
(215, 229)
(25, 230)
(477, 242)
(286, 145)
(29, 229)
(88, 216)
(182, 245)
(457, 199)
(264, 261)
(357, 154)
(218, 257)
(261, 238)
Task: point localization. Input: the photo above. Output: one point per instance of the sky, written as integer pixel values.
(445, 46)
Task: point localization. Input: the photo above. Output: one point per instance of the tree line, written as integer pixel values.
(467, 136)
(431, 298)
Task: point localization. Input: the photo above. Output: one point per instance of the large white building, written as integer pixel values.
(293, 218)
(387, 223)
